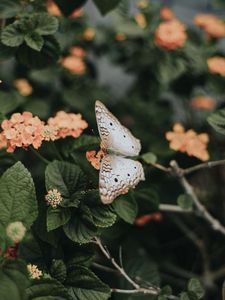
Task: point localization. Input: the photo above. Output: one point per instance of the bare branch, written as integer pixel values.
(207, 165)
(174, 208)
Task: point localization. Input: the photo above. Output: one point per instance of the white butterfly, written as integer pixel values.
(117, 173)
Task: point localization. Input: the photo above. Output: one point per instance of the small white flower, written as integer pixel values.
(34, 272)
(16, 231)
(53, 198)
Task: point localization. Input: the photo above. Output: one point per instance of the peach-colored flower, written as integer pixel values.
(53, 9)
(49, 133)
(89, 34)
(190, 142)
(143, 220)
(22, 130)
(140, 20)
(34, 272)
(77, 13)
(203, 102)
(95, 158)
(120, 37)
(216, 65)
(67, 124)
(74, 64)
(167, 14)
(211, 24)
(170, 35)
(3, 142)
(23, 87)
(78, 52)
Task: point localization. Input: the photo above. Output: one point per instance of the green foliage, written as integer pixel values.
(58, 270)
(195, 286)
(9, 8)
(14, 280)
(149, 158)
(84, 284)
(126, 208)
(105, 6)
(57, 217)
(17, 196)
(217, 121)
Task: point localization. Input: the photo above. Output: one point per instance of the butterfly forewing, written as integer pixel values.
(115, 137)
(117, 175)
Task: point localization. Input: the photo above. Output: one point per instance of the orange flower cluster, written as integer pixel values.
(24, 130)
(216, 65)
(74, 62)
(203, 102)
(170, 35)
(190, 142)
(143, 220)
(95, 158)
(167, 14)
(67, 124)
(23, 87)
(212, 25)
(120, 37)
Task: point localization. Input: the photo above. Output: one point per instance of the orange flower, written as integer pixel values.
(89, 34)
(77, 13)
(74, 64)
(23, 87)
(95, 158)
(216, 65)
(120, 37)
(67, 124)
(22, 130)
(78, 52)
(190, 142)
(212, 25)
(167, 14)
(203, 102)
(143, 220)
(53, 9)
(141, 21)
(3, 142)
(170, 35)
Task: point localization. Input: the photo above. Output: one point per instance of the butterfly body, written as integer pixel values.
(117, 172)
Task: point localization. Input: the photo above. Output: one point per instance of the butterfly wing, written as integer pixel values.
(115, 137)
(117, 175)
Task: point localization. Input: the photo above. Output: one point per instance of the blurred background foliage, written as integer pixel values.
(149, 89)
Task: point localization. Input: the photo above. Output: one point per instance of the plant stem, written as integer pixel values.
(56, 151)
(44, 160)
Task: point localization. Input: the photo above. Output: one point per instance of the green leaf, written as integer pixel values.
(9, 8)
(34, 41)
(58, 270)
(17, 196)
(103, 216)
(68, 6)
(81, 259)
(195, 286)
(9, 102)
(48, 55)
(184, 296)
(126, 208)
(12, 36)
(66, 177)
(185, 201)
(149, 158)
(57, 217)
(47, 289)
(45, 24)
(83, 143)
(80, 228)
(105, 6)
(217, 121)
(14, 280)
(84, 284)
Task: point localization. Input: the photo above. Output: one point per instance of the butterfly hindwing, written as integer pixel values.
(117, 175)
(115, 137)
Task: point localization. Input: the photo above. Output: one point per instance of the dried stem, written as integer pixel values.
(173, 208)
(207, 165)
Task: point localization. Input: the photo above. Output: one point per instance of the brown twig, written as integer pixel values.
(207, 165)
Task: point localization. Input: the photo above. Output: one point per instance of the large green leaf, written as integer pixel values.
(83, 143)
(9, 101)
(47, 289)
(9, 8)
(66, 177)
(126, 208)
(34, 41)
(45, 24)
(58, 270)
(83, 284)
(57, 217)
(195, 286)
(12, 35)
(102, 216)
(17, 196)
(14, 280)
(105, 6)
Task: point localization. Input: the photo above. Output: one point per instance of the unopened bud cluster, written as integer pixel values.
(53, 198)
